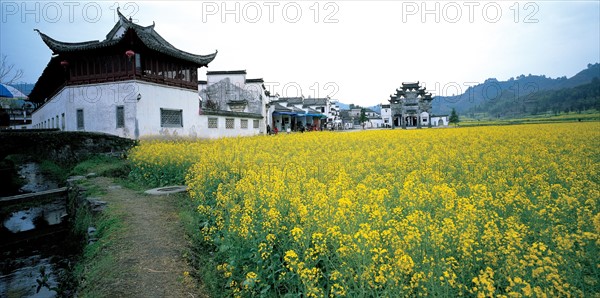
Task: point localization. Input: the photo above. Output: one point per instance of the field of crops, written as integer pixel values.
(485, 211)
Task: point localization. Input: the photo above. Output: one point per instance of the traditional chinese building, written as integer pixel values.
(411, 106)
(134, 83)
(234, 105)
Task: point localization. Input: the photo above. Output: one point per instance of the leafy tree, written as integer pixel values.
(454, 117)
(363, 118)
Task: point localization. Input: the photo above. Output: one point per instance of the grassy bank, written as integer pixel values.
(96, 269)
(541, 118)
(129, 256)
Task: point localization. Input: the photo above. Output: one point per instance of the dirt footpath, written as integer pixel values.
(149, 250)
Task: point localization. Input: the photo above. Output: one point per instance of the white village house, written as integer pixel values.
(297, 113)
(136, 84)
(234, 105)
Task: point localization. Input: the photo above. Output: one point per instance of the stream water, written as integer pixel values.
(34, 241)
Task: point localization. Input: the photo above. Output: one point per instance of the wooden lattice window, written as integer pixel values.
(171, 118)
(244, 123)
(256, 123)
(213, 122)
(229, 123)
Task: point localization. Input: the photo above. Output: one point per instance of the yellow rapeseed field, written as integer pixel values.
(506, 211)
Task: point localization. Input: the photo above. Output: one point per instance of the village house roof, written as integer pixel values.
(280, 108)
(315, 101)
(312, 111)
(232, 114)
(291, 100)
(259, 80)
(226, 72)
(296, 110)
(305, 102)
(120, 37)
(149, 37)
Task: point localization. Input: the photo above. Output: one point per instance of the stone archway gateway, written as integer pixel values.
(409, 104)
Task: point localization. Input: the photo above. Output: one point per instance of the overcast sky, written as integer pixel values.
(354, 51)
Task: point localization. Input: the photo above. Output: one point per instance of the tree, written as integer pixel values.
(8, 74)
(363, 117)
(454, 117)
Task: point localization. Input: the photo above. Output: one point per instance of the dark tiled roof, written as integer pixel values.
(147, 35)
(255, 81)
(280, 108)
(291, 100)
(232, 114)
(202, 82)
(295, 109)
(410, 85)
(304, 101)
(225, 72)
(315, 101)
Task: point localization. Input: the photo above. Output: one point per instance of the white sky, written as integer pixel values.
(355, 51)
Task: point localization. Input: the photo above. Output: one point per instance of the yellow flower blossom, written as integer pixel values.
(508, 211)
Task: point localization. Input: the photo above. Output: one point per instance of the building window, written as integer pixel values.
(229, 123)
(171, 118)
(213, 122)
(138, 63)
(80, 119)
(62, 121)
(244, 123)
(255, 123)
(120, 116)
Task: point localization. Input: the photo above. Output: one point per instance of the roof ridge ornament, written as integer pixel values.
(122, 18)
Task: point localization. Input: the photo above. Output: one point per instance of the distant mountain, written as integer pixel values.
(24, 87)
(345, 106)
(492, 90)
(579, 98)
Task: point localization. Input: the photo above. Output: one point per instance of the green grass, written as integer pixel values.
(91, 189)
(197, 254)
(95, 270)
(540, 118)
(102, 165)
(54, 171)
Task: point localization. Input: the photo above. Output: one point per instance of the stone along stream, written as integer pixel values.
(36, 251)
